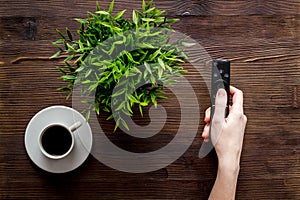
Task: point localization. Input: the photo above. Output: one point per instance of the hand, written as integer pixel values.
(227, 134)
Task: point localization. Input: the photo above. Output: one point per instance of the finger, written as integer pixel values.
(237, 100)
(207, 115)
(205, 133)
(220, 106)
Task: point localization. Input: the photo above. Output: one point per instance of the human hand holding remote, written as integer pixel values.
(227, 136)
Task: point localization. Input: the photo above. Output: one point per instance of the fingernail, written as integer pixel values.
(221, 93)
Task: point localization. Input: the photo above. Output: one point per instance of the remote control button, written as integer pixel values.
(221, 71)
(220, 86)
(226, 75)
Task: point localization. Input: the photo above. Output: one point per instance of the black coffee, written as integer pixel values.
(56, 140)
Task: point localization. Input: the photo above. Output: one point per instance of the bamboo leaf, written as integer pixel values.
(96, 107)
(69, 34)
(97, 6)
(144, 5)
(119, 92)
(124, 123)
(60, 33)
(68, 77)
(150, 9)
(61, 70)
(119, 15)
(135, 17)
(57, 46)
(172, 21)
(120, 106)
(86, 82)
(160, 72)
(102, 12)
(93, 87)
(117, 125)
(87, 115)
(111, 7)
(148, 68)
(55, 55)
(141, 110)
(187, 44)
(143, 103)
(82, 21)
(161, 63)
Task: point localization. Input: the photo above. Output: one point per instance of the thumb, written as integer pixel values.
(220, 106)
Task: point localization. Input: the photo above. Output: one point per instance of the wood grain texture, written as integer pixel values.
(261, 38)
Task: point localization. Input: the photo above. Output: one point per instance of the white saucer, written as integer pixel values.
(67, 116)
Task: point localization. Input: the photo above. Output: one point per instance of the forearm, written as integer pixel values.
(226, 181)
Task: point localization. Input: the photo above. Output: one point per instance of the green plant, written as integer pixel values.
(99, 60)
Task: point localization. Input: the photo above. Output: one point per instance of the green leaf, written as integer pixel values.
(150, 9)
(153, 99)
(143, 103)
(96, 107)
(63, 89)
(69, 58)
(105, 109)
(161, 63)
(144, 5)
(69, 34)
(119, 15)
(135, 17)
(141, 110)
(82, 21)
(145, 46)
(117, 125)
(102, 12)
(60, 33)
(86, 82)
(61, 70)
(55, 55)
(71, 48)
(111, 7)
(110, 117)
(120, 106)
(148, 68)
(88, 73)
(153, 81)
(129, 108)
(133, 99)
(87, 115)
(160, 72)
(129, 56)
(80, 69)
(68, 77)
(124, 123)
(57, 46)
(148, 19)
(187, 44)
(93, 87)
(97, 6)
(118, 93)
(172, 21)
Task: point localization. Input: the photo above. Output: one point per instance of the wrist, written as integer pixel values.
(229, 165)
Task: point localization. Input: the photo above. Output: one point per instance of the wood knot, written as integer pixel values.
(31, 30)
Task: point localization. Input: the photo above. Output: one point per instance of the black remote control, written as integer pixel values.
(220, 79)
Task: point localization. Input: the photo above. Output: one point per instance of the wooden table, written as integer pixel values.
(261, 38)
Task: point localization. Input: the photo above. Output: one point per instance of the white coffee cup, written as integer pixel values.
(56, 140)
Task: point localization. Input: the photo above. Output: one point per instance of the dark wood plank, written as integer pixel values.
(178, 7)
(261, 38)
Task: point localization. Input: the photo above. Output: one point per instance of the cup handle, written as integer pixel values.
(75, 126)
